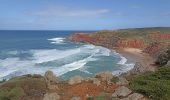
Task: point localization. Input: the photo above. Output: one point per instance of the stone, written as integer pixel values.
(121, 92)
(96, 81)
(138, 68)
(105, 76)
(122, 81)
(75, 80)
(50, 77)
(75, 98)
(51, 96)
(124, 99)
(168, 63)
(135, 96)
(52, 87)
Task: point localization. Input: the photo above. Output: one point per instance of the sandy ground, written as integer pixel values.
(136, 55)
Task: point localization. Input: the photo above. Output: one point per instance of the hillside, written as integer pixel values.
(150, 40)
(133, 85)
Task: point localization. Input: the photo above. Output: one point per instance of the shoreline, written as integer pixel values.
(132, 55)
(135, 56)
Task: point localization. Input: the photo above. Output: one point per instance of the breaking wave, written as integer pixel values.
(58, 40)
(59, 61)
(125, 67)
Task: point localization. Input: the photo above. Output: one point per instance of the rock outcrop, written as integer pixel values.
(122, 81)
(75, 80)
(75, 98)
(51, 96)
(50, 77)
(105, 76)
(51, 80)
(121, 92)
(135, 96)
(138, 68)
(96, 81)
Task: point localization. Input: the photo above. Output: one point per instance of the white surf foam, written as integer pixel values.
(58, 40)
(16, 66)
(11, 65)
(125, 67)
(123, 60)
(72, 66)
(41, 56)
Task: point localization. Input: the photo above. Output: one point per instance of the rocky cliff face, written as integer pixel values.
(81, 37)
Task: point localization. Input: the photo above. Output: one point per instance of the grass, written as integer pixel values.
(155, 85)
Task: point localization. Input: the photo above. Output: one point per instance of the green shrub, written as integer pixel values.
(24, 85)
(102, 96)
(154, 85)
(13, 94)
(3, 81)
(114, 79)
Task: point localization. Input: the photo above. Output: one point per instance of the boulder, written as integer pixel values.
(138, 68)
(121, 92)
(96, 81)
(168, 63)
(105, 76)
(75, 98)
(51, 96)
(122, 81)
(124, 99)
(135, 96)
(50, 77)
(52, 87)
(75, 80)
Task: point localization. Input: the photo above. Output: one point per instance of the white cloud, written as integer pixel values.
(66, 12)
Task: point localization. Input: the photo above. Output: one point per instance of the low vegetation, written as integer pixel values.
(12, 94)
(163, 57)
(3, 81)
(154, 85)
(18, 87)
(102, 96)
(114, 79)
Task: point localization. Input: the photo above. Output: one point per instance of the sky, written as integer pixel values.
(83, 14)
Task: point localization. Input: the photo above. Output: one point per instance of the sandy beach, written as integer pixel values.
(134, 55)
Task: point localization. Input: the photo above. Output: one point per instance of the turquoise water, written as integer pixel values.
(34, 52)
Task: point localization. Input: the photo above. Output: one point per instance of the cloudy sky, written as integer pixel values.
(83, 14)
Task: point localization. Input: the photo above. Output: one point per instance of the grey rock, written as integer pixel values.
(105, 76)
(50, 77)
(122, 81)
(135, 96)
(75, 98)
(121, 92)
(124, 99)
(96, 81)
(51, 96)
(168, 63)
(138, 68)
(75, 80)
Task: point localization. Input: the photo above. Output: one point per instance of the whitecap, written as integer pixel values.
(80, 57)
(41, 56)
(125, 67)
(58, 40)
(72, 66)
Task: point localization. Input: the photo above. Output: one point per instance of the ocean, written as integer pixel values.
(35, 52)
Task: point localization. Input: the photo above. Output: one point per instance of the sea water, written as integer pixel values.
(35, 52)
